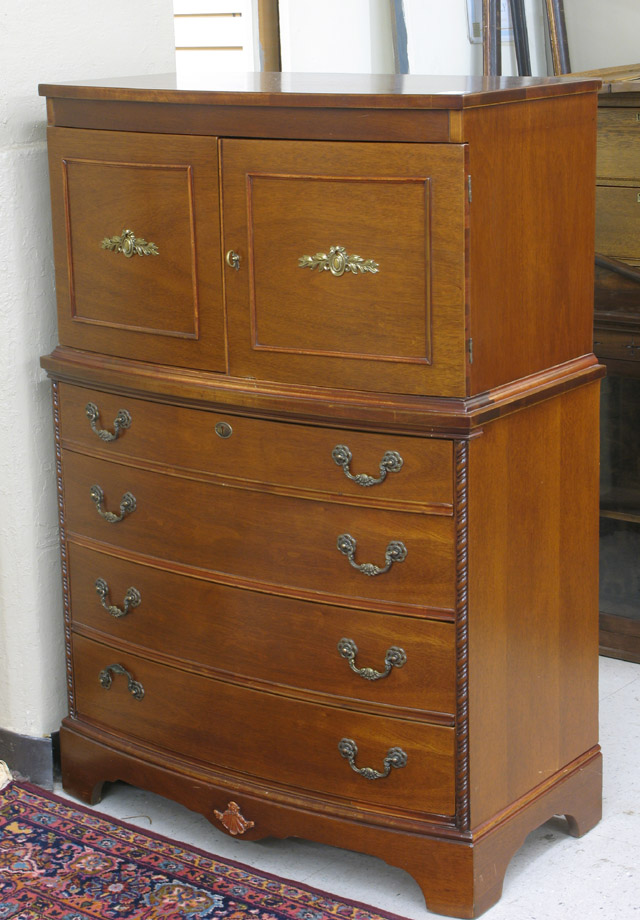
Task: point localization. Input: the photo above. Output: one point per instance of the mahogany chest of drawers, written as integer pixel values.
(326, 419)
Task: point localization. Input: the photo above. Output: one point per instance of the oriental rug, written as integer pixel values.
(59, 861)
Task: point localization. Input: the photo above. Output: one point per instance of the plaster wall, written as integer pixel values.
(347, 36)
(354, 36)
(602, 34)
(43, 41)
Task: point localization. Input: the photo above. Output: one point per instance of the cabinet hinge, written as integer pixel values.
(470, 350)
(469, 195)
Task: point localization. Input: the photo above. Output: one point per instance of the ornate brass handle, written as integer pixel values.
(127, 505)
(390, 463)
(120, 422)
(395, 552)
(130, 245)
(131, 599)
(135, 689)
(338, 261)
(395, 758)
(394, 658)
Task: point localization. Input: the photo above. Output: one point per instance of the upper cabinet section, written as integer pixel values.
(346, 264)
(137, 245)
(415, 236)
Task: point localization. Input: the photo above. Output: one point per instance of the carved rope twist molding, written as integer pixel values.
(462, 636)
(66, 597)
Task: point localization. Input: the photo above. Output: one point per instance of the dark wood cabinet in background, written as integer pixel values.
(617, 344)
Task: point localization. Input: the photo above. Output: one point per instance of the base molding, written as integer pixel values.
(460, 876)
(28, 758)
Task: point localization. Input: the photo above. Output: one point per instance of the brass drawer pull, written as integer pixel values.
(390, 463)
(395, 552)
(135, 689)
(395, 758)
(131, 599)
(127, 505)
(338, 261)
(394, 658)
(121, 421)
(129, 245)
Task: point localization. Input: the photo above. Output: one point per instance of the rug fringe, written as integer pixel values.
(5, 775)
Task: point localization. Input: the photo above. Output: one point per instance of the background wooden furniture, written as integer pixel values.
(327, 456)
(617, 344)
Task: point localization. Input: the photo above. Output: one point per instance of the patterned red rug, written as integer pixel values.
(64, 862)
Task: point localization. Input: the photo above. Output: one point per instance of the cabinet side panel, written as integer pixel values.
(532, 168)
(533, 602)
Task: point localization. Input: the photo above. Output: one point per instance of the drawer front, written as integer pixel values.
(618, 143)
(292, 457)
(275, 738)
(153, 294)
(618, 222)
(352, 264)
(622, 346)
(287, 542)
(262, 637)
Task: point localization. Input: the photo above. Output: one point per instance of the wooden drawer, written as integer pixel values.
(618, 222)
(273, 737)
(289, 543)
(262, 637)
(290, 457)
(164, 306)
(302, 309)
(618, 143)
(623, 346)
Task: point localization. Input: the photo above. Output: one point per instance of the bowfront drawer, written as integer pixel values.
(292, 544)
(137, 245)
(618, 222)
(264, 637)
(269, 736)
(368, 467)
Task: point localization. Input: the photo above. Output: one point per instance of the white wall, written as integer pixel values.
(336, 36)
(43, 41)
(350, 36)
(603, 33)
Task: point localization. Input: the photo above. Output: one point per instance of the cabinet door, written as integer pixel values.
(137, 245)
(346, 264)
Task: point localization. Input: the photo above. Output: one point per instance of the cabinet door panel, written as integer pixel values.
(351, 268)
(137, 246)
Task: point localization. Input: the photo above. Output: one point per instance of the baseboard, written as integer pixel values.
(28, 758)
